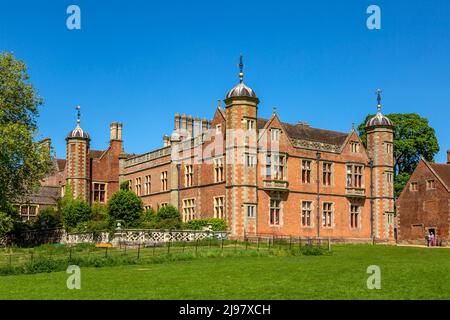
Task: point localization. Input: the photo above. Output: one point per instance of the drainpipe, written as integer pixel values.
(318, 194)
(372, 235)
(178, 186)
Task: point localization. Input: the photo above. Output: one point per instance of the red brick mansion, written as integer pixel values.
(263, 176)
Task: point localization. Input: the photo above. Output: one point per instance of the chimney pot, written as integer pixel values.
(448, 156)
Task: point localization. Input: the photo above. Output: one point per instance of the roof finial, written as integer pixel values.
(218, 103)
(241, 69)
(78, 114)
(274, 110)
(378, 93)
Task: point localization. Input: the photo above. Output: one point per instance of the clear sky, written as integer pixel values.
(140, 62)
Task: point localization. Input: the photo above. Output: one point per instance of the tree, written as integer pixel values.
(23, 161)
(168, 212)
(125, 186)
(125, 205)
(73, 211)
(413, 139)
(6, 224)
(49, 218)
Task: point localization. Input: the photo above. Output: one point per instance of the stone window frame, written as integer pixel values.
(273, 164)
(219, 172)
(247, 206)
(248, 163)
(389, 147)
(188, 175)
(275, 134)
(355, 146)
(164, 181)
(138, 186)
(389, 174)
(330, 173)
(275, 196)
(306, 171)
(332, 211)
(94, 190)
(250, 121)
(28, 207)
(431, 184)
(217, 206)
(354, 174)
(148, 184)
(189, 209)
(351, 213)
(415, 183)
(390, 217)
(311, 210)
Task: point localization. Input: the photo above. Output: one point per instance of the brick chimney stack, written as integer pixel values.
(190, 122)
(115, 131)
(204, 125)
(177, 122)
(448, 156)
(197, 126)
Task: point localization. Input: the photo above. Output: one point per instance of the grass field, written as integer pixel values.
(406, 273)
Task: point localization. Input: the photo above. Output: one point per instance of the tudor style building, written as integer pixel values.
(263, 176)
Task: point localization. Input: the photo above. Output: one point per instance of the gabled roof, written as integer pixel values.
(303, 132)
(442, 171)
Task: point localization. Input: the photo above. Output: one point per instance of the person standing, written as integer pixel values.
(431, 239)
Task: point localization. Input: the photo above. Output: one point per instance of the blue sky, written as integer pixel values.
(140, 62)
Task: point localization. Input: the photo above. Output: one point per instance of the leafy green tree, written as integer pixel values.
(125, 186)
(413, 138)
(125, 205)
(6, 224)
(49, 218)
(23, 161)
(73, 211)
(168, 212)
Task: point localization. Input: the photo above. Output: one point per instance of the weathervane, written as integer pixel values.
(78, 114)
(241, 69)
(378, 93)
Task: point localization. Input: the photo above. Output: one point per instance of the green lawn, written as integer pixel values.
(406, 273)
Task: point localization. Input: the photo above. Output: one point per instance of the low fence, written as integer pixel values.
(118, 238)
(89, 255)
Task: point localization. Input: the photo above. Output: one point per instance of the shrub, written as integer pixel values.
(125, 205)
(6, 224)
(74, 212)
(99, 212)
(49, 218)
(171, 223)
(168, 212)
(125, 186)
(199, 224)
